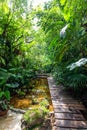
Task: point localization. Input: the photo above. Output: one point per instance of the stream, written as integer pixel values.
(40, 91)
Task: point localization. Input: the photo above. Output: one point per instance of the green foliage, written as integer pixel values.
(4, 99)
(20, 93)
(15, 26)
(3, 105)
(44, 103)
(15, 78)
(75, 79)
(32, 115)
(5, 94)
(77, 75)
(65, 25)
(55, 42)
(14, 22)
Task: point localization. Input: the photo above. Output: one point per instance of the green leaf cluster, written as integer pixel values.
(65, 25)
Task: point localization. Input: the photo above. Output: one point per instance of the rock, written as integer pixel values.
(17, 110)
(11, 122)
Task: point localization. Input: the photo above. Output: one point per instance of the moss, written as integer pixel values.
(36, 116)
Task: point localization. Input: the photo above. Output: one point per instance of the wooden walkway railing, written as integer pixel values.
(68, 111)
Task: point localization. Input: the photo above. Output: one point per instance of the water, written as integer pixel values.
(40, 91)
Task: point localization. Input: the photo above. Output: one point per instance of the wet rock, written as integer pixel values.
(12, 121)
(20, 111)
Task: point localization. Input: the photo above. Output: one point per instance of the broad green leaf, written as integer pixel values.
(62, 2)
(1, 94)
(7, 95)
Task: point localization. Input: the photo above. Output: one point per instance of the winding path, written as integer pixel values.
(68, 111)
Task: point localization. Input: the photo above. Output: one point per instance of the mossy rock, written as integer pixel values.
(35, 117)
(44, 103)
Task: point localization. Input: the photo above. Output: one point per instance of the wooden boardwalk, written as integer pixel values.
(68, 111)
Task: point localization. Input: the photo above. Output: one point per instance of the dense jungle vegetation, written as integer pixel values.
(49, 39)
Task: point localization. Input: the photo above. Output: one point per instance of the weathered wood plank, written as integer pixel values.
(69, 116)
(63, 128)
(71, 124)
(54, 97)
(65, 102)
(66, 110)
(70, 106)
(79, 106)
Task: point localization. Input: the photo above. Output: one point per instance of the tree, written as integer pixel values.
(15, 27)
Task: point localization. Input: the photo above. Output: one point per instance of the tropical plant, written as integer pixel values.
(4, 100)
(66, 33)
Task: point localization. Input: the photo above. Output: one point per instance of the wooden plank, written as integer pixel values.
(63, 128)
(66, 110)
(64, 92)
(71, 106)
(79, 107)
(54, 88)
(54, 97)
(69, 116)
(66, 101)
(71, 124)
(54, 92)
(59, 109)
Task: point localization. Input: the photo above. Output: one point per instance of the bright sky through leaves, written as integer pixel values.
(39, 2)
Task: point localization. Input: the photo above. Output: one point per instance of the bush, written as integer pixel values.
(74, 76)
(15, 78)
